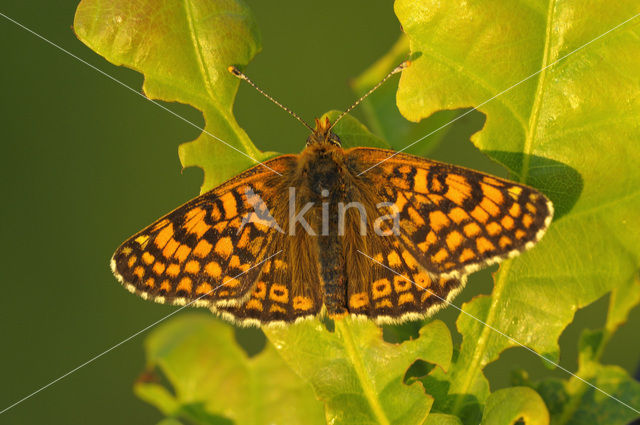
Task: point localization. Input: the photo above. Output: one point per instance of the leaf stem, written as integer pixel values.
(537, 99)
(476, 359)
(344, 327)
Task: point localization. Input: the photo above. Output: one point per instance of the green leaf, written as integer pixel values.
(442, 419)
(507, 406)
(584, 403)
(183, 49)
(382, 113)
(587, 405)
(353, 133)
(358, 375)
(623, 299)
(571, 131)
(574, 402)
(213, 381)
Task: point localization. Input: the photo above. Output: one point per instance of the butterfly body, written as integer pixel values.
(361, 231)
(327, 179)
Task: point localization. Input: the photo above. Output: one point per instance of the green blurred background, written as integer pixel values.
(88, 163)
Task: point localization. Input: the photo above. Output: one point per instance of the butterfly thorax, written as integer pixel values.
(321, 168)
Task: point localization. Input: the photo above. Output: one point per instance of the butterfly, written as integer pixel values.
(363, 231)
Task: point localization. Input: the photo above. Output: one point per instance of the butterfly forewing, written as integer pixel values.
(205, 250)
(454, 220)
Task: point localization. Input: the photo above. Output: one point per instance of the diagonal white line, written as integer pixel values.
(503, 334)
(501, 93)
(136, 92)
(91, 360)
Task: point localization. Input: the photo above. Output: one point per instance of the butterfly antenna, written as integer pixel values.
(235, 71)
(397, 69)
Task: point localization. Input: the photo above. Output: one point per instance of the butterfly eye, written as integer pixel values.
(334, 139)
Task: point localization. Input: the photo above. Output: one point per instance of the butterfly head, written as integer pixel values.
(323, 134)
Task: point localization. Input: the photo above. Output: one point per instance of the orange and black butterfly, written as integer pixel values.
(255, 255)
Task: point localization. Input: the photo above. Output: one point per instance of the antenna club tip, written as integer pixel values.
(235, 71)
(405, 64)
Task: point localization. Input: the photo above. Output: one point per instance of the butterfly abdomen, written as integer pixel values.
(332, 267)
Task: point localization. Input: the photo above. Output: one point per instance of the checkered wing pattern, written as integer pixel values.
(453, 221)
(397, 288)
(206, 251)
(287, 290)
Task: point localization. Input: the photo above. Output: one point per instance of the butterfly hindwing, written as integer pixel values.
(189, 253)
(277, 298)
(454, 220)
(384, 280)
(288, 287)
(399, 288)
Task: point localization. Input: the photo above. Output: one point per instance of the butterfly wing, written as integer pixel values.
(385, 281)
(206, 249)
(453, 220)
(288, 286)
